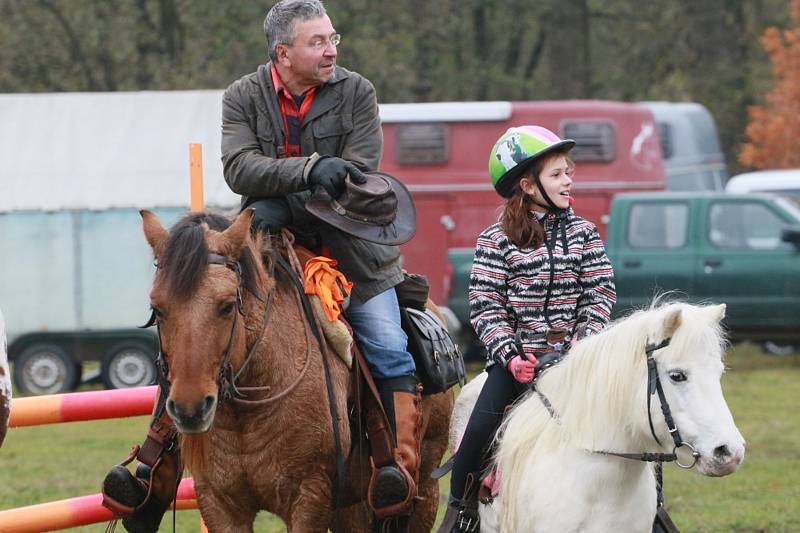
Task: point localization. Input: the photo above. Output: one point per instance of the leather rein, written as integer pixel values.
(228, 379)
(653, 386)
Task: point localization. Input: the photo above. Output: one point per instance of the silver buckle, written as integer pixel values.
(467, 524)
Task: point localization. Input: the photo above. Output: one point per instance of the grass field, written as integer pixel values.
(62, 461)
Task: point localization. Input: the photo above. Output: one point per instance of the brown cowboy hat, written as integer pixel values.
(380, 210)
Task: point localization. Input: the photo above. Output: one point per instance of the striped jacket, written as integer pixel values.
(508, 286)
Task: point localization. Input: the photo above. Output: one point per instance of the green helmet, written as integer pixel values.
(516, 150)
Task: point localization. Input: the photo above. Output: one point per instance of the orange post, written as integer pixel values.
(196, 176)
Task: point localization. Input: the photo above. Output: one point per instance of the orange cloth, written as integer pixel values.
(322, 279)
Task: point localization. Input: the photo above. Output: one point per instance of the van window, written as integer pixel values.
(665, 136)
(422, 144)
(745, 226)
(658, 225)
(596, 140)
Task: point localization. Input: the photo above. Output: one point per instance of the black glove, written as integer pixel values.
(330, 173)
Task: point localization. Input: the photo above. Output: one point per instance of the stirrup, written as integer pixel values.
(390, 490)
(122, 492)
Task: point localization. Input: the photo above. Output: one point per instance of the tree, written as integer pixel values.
(774, 128)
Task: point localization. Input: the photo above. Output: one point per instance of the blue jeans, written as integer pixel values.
(376, 325)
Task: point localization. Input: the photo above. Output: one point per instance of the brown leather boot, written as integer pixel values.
(408, 421)
(462, 515)
(395, 472)
(142, 501)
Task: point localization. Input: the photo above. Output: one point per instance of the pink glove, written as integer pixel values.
(522, 369)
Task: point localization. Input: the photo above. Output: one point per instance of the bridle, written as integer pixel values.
(228, 379)
(653, 386)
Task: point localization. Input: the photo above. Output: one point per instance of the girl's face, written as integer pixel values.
(556, 179)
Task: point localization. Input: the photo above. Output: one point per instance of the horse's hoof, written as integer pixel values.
(389, 488)
(121, 486)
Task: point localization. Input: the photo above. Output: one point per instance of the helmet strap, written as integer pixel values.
(550, 205)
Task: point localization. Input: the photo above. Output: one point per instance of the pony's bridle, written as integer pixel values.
(653, 386)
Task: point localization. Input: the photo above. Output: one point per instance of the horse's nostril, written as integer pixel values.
(721, 452)
(171, 405)
(209, 402)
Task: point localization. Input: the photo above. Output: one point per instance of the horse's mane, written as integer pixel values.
(607, 372)
(184, 260)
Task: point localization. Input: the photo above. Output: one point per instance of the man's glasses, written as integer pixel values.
(319, 45)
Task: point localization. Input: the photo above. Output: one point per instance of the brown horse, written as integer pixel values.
(224, 310)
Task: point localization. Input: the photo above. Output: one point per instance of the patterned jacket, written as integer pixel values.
(508, 286)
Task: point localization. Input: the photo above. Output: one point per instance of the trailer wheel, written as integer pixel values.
(128, 364)
(46, 369)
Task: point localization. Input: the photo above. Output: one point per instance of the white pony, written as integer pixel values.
(554, 479)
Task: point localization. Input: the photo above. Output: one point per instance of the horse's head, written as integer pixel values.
(690, 369)
(205, 265)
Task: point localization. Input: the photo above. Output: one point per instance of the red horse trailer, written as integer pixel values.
(441, 150)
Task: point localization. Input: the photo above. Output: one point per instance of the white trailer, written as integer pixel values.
(76, 273)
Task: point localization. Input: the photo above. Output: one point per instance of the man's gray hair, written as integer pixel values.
(279, 23)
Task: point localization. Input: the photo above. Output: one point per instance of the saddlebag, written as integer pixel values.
(438, 359)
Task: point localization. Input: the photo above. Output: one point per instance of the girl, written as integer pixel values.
(541, 279)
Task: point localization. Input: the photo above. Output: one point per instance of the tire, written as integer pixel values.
(46, 369)
(128, 364)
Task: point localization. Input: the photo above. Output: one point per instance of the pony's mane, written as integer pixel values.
(609, 369)
(184, 261)
(607, 372)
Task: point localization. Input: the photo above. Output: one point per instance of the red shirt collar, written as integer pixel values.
(280, 88)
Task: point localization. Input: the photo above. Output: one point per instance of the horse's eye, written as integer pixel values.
(677, 375)
(158, 312)
(226, 309)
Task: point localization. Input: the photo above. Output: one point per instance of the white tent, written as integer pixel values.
(104, 150)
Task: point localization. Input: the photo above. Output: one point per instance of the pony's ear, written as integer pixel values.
(718, 312)
(154, 231)
(237, 233)
(672, 322)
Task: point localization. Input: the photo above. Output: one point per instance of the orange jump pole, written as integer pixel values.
(196, 176)
(81, 406)
(75, 512)
(198, 204)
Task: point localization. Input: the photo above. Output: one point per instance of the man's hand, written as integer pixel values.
(522, 369)
(330, 173)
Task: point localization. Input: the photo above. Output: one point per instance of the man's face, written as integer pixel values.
(311, 57)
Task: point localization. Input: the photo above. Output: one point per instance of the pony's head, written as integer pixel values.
(690, 368)
(602, 389)
(205, 267)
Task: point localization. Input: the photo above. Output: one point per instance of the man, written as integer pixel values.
(298, 124)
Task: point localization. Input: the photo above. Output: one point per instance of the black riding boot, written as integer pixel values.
(141, 501)
(462, 515)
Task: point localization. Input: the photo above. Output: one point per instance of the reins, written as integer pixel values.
(653, 386)
(229, 389)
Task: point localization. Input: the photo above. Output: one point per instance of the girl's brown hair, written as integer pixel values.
(516, 221)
